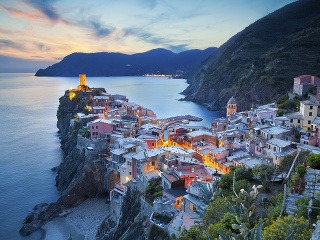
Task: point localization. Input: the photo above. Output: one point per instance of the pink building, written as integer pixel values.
(304, 82)
(99, 127)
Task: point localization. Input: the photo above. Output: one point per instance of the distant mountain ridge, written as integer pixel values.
(156, 61)
(259, 63)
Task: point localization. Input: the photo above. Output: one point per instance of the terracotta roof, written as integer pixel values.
(170, 177)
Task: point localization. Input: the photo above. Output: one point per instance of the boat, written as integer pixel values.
(64, 213)
(185, 121)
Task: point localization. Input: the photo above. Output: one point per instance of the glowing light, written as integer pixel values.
(72, 95)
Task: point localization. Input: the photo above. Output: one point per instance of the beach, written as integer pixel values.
(82, 223)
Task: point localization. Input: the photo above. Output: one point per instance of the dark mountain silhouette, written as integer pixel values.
(156, 61)
(259, 63)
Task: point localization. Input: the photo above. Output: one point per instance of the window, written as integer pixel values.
(309, 121)
(153, 163)
(192, 206)
(291, 120)
(310, 113)
(298, 120)
(311, 107)
(152, 144)
(274, 149)
(130, 173)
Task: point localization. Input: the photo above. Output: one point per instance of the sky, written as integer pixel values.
(37, 33)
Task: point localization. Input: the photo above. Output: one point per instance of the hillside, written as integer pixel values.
(118, 64)
(259, 63)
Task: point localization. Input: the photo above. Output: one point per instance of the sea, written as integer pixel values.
(29, 142)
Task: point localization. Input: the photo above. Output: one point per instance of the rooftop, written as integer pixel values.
(176, 192)
(250, 162)
(275, 130)
(170, 177)
(102, 121)
(278, 142)
(316, 121)
(295, 115)
(199, 133)
(118, 151)
(232, 100)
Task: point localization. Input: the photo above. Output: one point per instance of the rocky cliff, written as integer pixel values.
(132, 224)
(78, 177)
(259, 63)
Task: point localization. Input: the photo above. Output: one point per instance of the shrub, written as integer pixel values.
(282, 227)
(314, 161)
(301, 170)
(214, 230)
(241, 184)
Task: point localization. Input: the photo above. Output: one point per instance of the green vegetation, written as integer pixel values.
(153, 190)
(242, 176)
(256, 65)
(162, 218)
(84, 132)
(314, 161)
(264, 173)
(282, 227)
(302, 211)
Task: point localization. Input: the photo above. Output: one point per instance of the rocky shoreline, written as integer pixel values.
(78, 177)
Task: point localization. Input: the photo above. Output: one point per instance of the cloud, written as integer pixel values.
(42, 47)
(4, 43)
(99, 28)
(46, 7)
(18, 13)
(145, 36)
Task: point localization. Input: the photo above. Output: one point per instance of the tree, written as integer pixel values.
(286, 163)
(282, 227)
(216, 210)
(241, 184)
(264, 172)
(194, 233)
(301, 170)
(314, 161)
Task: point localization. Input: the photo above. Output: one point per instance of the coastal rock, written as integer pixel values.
(41, 214)
(78, 178)
(88, 185)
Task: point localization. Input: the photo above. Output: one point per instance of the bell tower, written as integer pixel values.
(231, 106)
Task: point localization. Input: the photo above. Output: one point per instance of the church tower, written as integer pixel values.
(231, 106)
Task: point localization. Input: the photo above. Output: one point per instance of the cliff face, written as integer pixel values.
(155, 61)
(78, 178)
(259, 63)
(131, 224)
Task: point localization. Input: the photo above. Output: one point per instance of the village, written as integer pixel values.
(177, 160)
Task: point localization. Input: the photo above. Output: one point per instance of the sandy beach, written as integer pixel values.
(82, 223)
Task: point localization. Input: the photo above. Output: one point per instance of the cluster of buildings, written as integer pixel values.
(190, 159)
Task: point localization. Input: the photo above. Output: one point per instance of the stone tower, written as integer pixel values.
(83, 81)
(231, 106)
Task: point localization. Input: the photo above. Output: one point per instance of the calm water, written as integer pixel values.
(29, 146)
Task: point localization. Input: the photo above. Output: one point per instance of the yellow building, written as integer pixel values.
(310, 110)
(231, 106)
